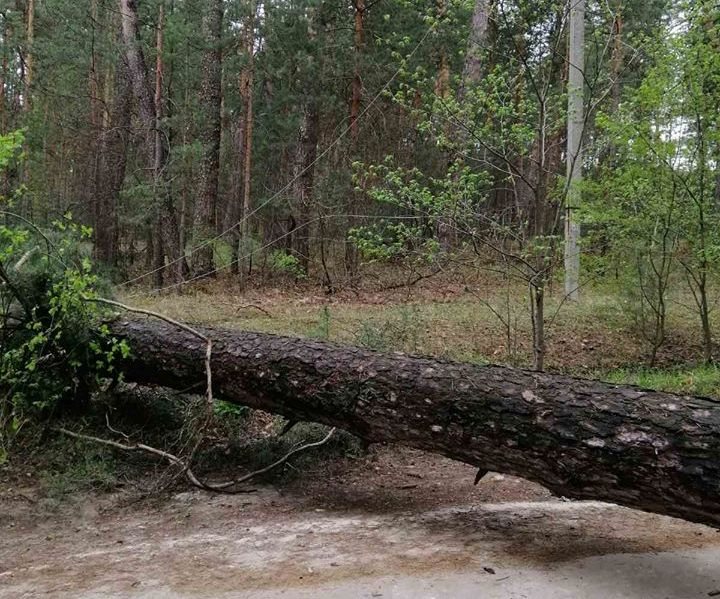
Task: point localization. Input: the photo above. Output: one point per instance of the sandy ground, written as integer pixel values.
(376, 529)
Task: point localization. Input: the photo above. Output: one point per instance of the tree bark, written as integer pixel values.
(247, 90)
(210, 101)
(617, 57)
(585, 439)
(112, 161)
(575, 126)
(164, 219)
(30, 55)
(477, 48)
(28, 73)
(351, 252)
(304, 176)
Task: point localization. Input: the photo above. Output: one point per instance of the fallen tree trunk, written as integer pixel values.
(584, 439)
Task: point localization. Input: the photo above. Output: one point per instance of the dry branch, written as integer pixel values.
(222, 487)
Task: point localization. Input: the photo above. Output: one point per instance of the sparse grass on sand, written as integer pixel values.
(596, 337)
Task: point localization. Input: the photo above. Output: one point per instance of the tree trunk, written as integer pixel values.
(3, 83)
(210, 101)
(112, 160)
(234, 212)
(351, 252)
(28, 73)
(584, 439)
(474, 70)
(164, 220)
(575, 126)
(247, 88)
(477, 48)
(359, 36)
(303, 175)
(30, 55)
(160, 155)
(617, 57)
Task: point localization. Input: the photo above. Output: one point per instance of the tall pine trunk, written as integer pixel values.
(164, 218)
(304, 174)
(112, 160)
(210, 132)
(28, 72)
(351, 253)
(477, 49)
(304, 164)
(247, 88)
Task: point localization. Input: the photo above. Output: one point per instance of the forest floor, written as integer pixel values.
(395, 524)
(480, 320)
(391, 522)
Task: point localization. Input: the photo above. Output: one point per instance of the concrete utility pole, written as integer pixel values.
(575, 125)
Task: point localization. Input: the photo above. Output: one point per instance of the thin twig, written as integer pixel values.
(282, 460)
(173, 459)
(24, 258)
(176, 461)
(256, 307)
(177, 323)
(117, 432)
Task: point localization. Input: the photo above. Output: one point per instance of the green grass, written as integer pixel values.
(78, 466)
(450, 321)
(701, 380)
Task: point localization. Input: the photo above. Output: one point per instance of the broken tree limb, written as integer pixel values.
(178, 324)
(584, 439)
(222, 487)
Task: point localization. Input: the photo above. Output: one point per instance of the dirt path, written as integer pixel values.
(505, 539)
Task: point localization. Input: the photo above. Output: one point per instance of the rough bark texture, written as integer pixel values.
(474, 68)
(304, 176)
(166, 237)
(112, 160)
(351, 252)
(247, 89)
(210, 101)
(585, 439)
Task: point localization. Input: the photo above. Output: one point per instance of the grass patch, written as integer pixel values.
(597, 334)
(701, 380)
(78, 466)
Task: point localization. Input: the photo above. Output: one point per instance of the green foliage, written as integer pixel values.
(10, 143)
(457, 195)
(229, 411)
(55, 350)
(282, 262)
(652, 207)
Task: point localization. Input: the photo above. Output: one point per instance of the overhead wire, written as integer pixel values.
(285, 188)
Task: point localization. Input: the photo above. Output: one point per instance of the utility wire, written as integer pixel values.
(324, 153)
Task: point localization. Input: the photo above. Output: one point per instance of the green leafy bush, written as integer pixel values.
(55, 349)
(282, 262)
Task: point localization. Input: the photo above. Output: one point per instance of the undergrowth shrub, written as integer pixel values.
(55, 349)
(400, 332)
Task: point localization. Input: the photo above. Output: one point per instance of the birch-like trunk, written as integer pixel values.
(575, 126)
